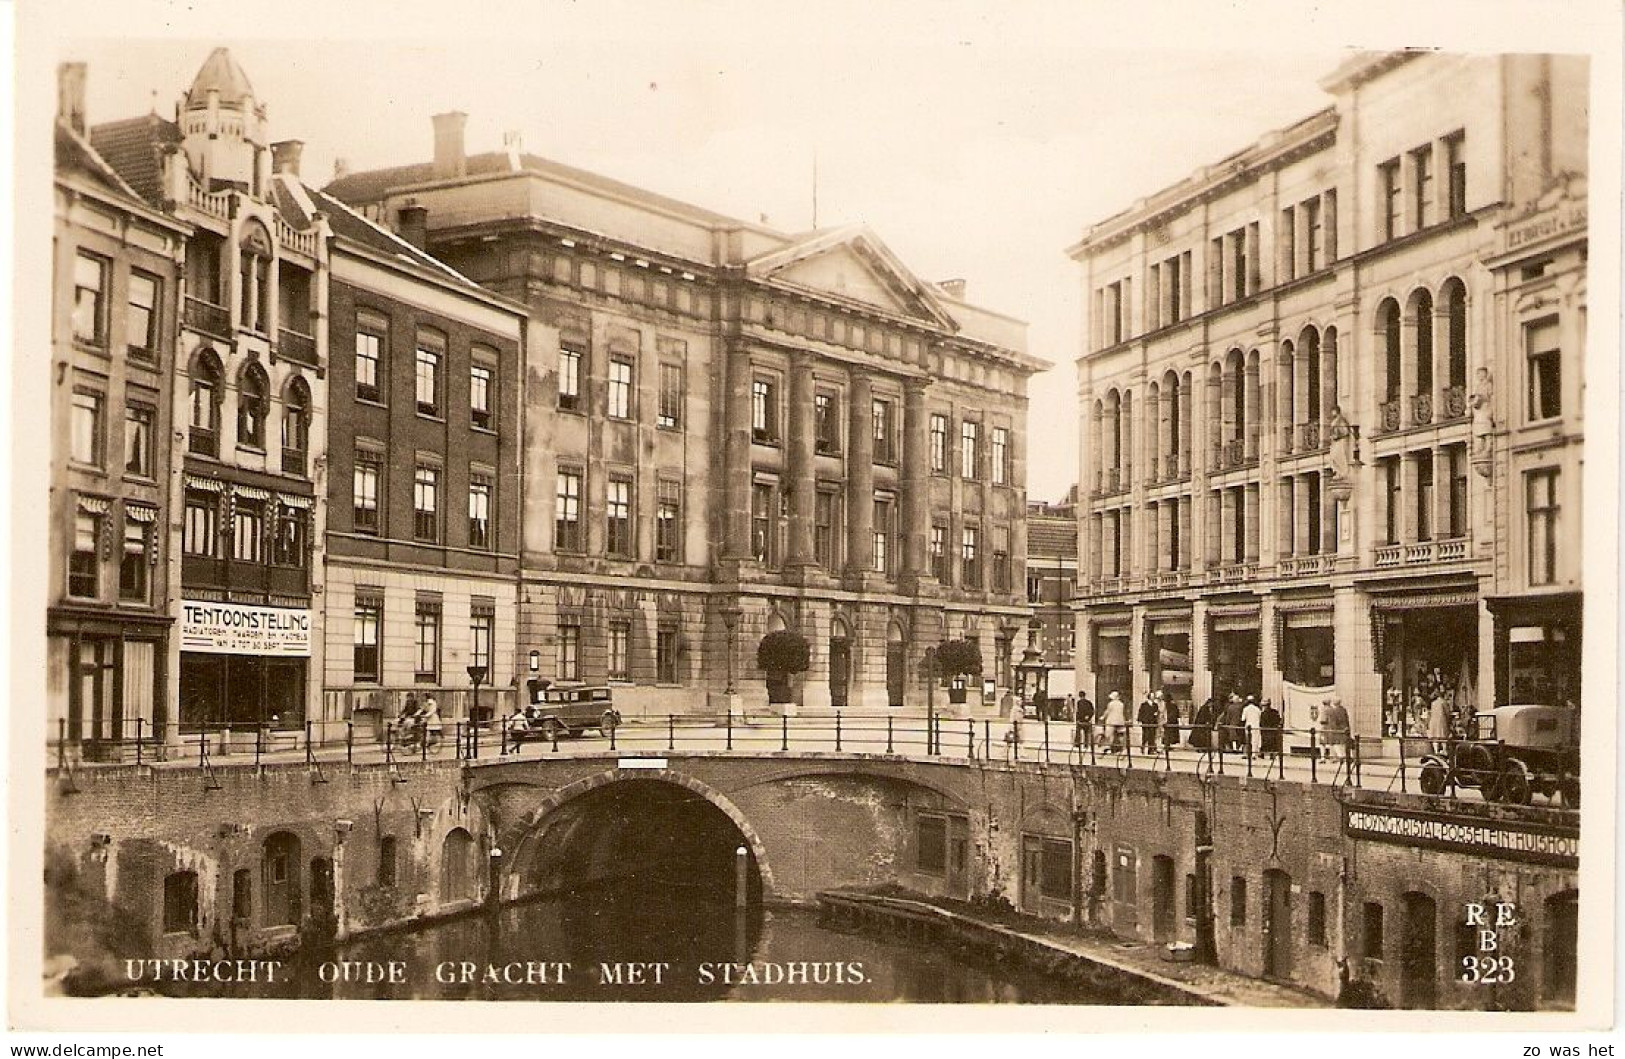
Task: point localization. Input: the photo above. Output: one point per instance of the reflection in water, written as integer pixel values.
(670, 944)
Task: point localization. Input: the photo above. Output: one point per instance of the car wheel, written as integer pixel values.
(1433, 777)
(1514, 785)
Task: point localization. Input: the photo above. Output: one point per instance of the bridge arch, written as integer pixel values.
(525, 838)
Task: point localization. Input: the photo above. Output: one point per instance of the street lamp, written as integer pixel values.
(477, 675)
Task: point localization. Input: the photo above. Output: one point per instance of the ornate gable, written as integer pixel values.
(851, 264)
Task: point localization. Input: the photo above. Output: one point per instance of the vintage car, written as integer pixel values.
(556, 711)
(1515, 752)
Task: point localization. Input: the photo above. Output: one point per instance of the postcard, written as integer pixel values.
(847, 520)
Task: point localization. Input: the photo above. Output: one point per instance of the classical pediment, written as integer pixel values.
(851, 264)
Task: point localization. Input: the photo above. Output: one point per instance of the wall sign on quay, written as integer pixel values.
(1499, 839)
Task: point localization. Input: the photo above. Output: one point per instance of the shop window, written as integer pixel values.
(180, 902)
(248, 530)
(1238, 901)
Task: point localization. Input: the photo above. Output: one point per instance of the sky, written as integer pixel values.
(974, 149)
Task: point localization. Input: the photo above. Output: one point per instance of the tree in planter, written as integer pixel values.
(779, 655)
(958, 658)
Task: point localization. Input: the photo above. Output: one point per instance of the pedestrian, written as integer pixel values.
(1083, 723)
(1272, 726)
(432, 726)
(1116, 722)
(1251, 729)
(1202, 726)
(406, 724)
(1440, 723)
(1150, 717)
(1336, 720)
(1230, 730)
(1170, 720)
(518, 727)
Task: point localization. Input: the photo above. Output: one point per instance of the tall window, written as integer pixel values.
(138, 432)
(666, 656)
(90, 300)
(883, 536)
(884, 414)
(569, 667)
(369, 619)
(367, 350)
(1001, 558)
(205, 405)
(826, 422)
(368, 468)
(427, 641)
(482, 620)
(939, 444)
(567, 512)
(428, 381)
(764, 410)
(1391, 480)
(290, 536)
(251, 408)
(824, 528)
(1422, 201)
(1001, 455)
(180, 902)
(479, 511)
(970, 570)
(141, 326)
(1424, 496)
(201, 536)
(670, 414)
(668, 520)
(1455, 147)
(295, 428)
(1458, 490)
(87, 428)
(1371, 932)
(248, 530)
(1545, 369)
(1390, 189)
(1311, 211)
(479, 396)
(761, 522)
(938, 550)
(620, 388)
(970, 436)
(570, 377)
(618, 517)
(1541, 487)
(426, 504)
(620, 640)
(85, 564)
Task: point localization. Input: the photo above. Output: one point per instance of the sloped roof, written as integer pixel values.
(348, 224)
(134, 147)
(877, 257)
(74, 152)
(376, 184)
(219, 73)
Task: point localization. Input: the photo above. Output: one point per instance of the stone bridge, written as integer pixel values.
(1307, 884)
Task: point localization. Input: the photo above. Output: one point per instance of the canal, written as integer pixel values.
(698, 949)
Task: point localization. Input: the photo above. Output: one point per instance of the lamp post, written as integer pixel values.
(928, 664)
(476, 674)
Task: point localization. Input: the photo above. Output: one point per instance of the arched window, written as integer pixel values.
(205, 404)
(255, 263)
(1421, 311)
(251, 407)
(1388, 333)
(295, 426)
(1454, 296)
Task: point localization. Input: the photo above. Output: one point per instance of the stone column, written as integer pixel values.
(916, 512)
(860, 478)
(1201, 679)
(736, 458)
(1328, 383)
(803, 488)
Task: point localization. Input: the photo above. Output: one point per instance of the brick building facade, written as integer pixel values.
(1318, 439)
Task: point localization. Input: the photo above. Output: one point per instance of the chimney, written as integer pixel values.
(954, 288)
(70, 96)
(449, 160)
(413, 224)
(285, 156)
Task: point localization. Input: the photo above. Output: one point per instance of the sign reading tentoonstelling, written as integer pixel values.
(232, 629)
(1500, 839)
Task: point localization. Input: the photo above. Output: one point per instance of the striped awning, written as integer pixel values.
(94, 505)
(207, 485)
(294, 500)
(250, 492)
(140, 512)
(1424, 601)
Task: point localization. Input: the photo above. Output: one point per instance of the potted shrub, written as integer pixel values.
(779, 655)
(957, 659)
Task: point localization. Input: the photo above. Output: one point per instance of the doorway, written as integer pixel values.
(1162, 898)
(279, 869)
(1125, 891)
(840, 668)
(1277, 924)
(896, 668)
(1418, 956)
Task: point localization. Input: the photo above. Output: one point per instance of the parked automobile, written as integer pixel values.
(557, 711)
(1515, 752)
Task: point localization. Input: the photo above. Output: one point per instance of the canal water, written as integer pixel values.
(665, 946)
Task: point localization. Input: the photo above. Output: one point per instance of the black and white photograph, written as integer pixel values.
(903, 521)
